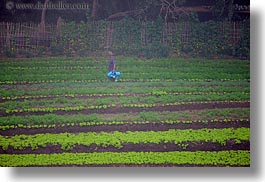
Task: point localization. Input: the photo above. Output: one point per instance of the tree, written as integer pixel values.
(43, 14)
(223, 9)
(94, 9)
(172, 8)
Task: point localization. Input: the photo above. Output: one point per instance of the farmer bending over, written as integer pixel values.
(113, 75)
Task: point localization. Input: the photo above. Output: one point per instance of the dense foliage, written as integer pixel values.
(148, 39)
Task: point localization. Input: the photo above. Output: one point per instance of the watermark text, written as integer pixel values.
(49, 6)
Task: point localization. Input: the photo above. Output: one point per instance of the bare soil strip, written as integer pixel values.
(129, 147)
(126, 127)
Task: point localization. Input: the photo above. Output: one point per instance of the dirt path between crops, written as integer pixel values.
(130, 147)
(126, 127)
(115, 110)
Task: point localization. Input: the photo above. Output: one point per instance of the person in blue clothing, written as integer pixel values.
(113, 75)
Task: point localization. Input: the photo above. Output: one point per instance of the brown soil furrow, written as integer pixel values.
(129, 147)
(125, 127)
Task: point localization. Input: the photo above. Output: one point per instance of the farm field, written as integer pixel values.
(162, 112)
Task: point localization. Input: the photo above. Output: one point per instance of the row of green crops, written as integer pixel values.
(136, 122)
(126, 101)
(205, 115)
(126, 62)
(163, 71)
(127, 69)
(99, 91)
(81, 80)
(104, 106)
(224, 158)
(93, 75)
(156, 93)
(68, 140)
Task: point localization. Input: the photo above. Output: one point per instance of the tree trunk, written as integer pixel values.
(230, 10)
(43, 14)
(94, 9)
